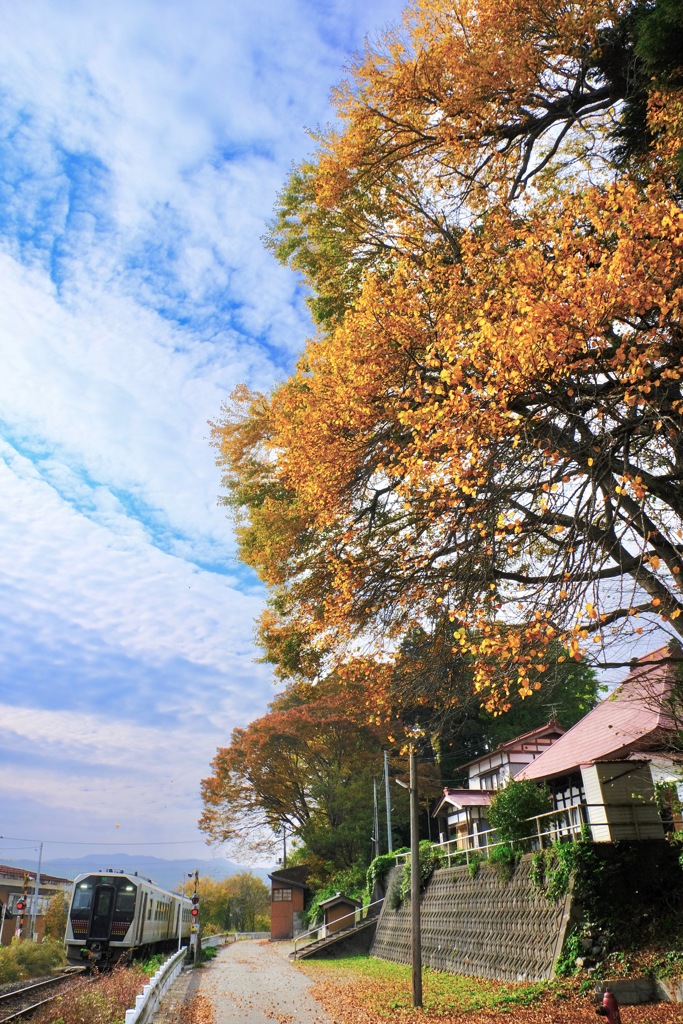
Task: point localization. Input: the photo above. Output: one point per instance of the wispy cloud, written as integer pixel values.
(141, 150)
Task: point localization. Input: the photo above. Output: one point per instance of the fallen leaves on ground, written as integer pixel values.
(354, 992)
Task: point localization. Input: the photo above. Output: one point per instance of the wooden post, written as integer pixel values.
(415, 936)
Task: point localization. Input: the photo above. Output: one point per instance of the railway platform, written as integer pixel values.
(248, 982)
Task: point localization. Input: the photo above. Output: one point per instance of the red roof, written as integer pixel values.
(552, 728)
(9, 872)
(631, 719)
(464, 798)
(295, 876)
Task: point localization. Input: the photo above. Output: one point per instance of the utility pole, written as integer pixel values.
(36, 893)
(375, 820)
(415, 934)
(387, 798)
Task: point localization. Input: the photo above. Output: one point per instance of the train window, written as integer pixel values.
(125, 902)
(103, 903)
(83, 897)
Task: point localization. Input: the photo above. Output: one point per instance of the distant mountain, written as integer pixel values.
(166, 873)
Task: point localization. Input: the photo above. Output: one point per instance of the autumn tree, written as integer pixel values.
(433, 688)
(306, 766)
(240, 902)
(56, 915)
(487, 425)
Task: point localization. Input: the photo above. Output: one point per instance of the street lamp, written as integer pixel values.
(415, 928)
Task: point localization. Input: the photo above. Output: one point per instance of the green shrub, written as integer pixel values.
(38, 957)
(351, 882)
(474, 864)
(9, 968)
(28, 959)
(393, 896)
(379, 869)
(151, 966)
(504, 860)
(430, 857)
(552, 870)
(512, 806)
(571, 949)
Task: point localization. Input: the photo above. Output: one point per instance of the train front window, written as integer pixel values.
(83, 897)
(125, 902)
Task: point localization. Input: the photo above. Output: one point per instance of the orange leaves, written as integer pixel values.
(487, 430)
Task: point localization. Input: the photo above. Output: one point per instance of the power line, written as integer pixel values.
(95, 842)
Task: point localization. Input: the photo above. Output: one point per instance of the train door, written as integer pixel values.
(102, 912)
(141, 919)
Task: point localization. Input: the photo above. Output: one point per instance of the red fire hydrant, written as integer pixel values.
(610, 1008)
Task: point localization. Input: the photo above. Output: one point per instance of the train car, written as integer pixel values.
(113, 914)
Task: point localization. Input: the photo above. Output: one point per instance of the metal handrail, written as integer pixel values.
(359, 910)
(569, 829)
(474, 844)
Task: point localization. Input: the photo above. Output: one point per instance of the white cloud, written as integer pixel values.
(142, 150)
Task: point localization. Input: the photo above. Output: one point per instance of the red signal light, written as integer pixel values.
(195, 911)
(21, 905)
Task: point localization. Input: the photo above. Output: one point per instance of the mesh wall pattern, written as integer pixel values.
(483, 926)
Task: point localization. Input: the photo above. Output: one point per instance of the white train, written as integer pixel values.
(113, 913)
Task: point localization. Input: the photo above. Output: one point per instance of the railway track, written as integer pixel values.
(22, 1002)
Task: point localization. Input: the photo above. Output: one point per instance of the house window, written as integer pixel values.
(282, 895)
(490, 781)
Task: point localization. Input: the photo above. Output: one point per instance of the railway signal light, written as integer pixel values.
(20, 906)
(195, 912)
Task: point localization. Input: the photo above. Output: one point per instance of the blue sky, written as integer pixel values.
(142, 145)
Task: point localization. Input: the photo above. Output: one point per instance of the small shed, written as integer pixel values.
(339, 912)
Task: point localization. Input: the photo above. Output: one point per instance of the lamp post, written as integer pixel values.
(415, 926)
(415, 929)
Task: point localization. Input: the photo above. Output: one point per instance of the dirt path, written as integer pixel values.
(249, 982)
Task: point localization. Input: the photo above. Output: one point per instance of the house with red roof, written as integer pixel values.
(18, 886)
(605, 767)
(463, 812)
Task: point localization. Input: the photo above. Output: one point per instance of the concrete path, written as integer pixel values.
(248, 982)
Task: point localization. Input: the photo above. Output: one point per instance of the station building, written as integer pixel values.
(17, 883)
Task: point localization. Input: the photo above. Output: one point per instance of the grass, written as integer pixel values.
(27, 959)
(386, 987)
(365, 990)
(100, 999)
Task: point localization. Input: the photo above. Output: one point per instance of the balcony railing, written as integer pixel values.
(566, 825)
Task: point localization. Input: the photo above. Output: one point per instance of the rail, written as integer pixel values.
(19, 993)
(360, 916)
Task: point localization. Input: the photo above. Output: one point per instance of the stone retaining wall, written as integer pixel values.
(483, 925)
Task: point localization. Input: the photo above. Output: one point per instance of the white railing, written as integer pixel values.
(544, 829)
(153, 992)
(359, 915)
(158, 985)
